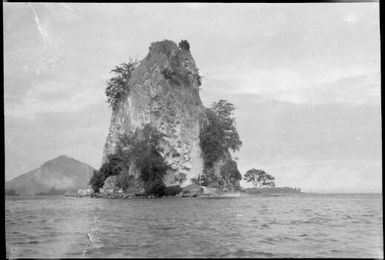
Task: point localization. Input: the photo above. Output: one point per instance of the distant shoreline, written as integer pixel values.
(243, 194)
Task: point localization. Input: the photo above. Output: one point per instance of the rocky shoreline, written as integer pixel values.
(190, 191)
(138, 196)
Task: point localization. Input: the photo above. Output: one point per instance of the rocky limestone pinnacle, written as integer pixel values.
(164, 92)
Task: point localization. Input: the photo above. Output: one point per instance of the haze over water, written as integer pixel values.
(299, 225)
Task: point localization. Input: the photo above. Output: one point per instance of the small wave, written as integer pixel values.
(286, 238)
(264, 254)
(167, 228)
(368, 215)
(299, 222)
(269, 240)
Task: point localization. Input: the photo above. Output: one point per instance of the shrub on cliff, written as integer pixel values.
(180, 178)
(198, 78)
(117, 87)
(176, 76)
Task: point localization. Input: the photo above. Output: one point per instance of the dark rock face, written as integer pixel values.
(60, 173)
(164, 93)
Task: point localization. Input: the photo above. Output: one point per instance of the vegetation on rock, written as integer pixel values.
(223, 111)
(141, 148)
(176, 73)
(220, 133)
(176, 112)
(172, 190)
(228, 179)
(176, 76)
(198, 78)
(115, 165)
(209, 179)
(184, 45)
(117, 87)
(259, 178)
(97, 181)
(125, 181)
(211, 140)
(230, 174)
(180, 178)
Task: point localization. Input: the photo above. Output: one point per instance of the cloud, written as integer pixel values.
(358, 89)
(301, 142)
(290, 85)
(31, 142)
(55, 97)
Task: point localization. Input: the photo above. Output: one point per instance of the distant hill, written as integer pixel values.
(63, 173)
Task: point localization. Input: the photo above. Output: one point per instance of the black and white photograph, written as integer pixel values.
(192, 130)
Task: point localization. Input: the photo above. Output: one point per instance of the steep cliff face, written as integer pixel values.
(164, 93)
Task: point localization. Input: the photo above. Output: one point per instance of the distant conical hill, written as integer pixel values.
(63, 173)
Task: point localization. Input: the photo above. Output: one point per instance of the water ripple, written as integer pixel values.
(265, 227)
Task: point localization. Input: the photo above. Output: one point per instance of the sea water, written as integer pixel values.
(297, 225)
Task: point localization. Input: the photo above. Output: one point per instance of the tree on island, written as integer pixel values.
(220, 133)
(224, 113)
(259, 178)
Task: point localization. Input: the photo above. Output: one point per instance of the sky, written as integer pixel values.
(304, 78)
